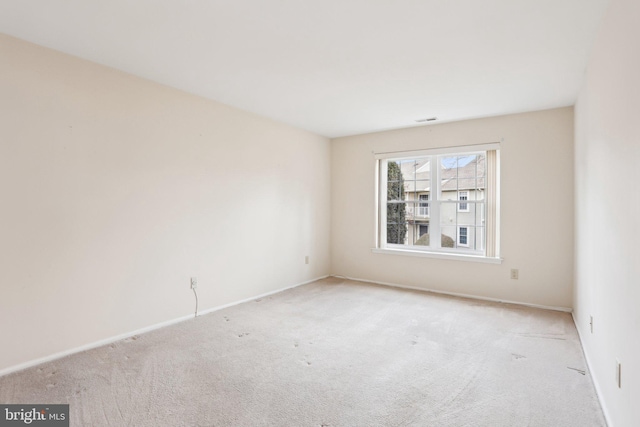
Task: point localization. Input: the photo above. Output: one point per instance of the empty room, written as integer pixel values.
(336, 213)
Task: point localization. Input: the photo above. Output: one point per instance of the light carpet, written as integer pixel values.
(331, 353)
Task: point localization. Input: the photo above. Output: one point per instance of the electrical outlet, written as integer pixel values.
(591, 323)
(194, 282)
(514, 273)
(618, 373)
(306, 259)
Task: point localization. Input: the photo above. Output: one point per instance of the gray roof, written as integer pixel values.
(469, 176)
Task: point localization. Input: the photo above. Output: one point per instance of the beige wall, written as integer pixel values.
(116, 190)
(537, 209)
(608, 212)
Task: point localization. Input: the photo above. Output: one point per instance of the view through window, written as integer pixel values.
(451, 196)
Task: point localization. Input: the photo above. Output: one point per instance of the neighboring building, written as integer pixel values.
(463, 183)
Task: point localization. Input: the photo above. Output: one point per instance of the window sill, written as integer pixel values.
(439, 255)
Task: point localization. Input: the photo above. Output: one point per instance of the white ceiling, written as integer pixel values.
(333, 67)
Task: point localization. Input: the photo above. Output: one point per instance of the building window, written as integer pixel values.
(423, 209)
(463, 236)
(463, 207)
(452, 194)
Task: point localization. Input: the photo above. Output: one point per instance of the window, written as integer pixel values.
(462, 236)
(423, 210)
(448, 193)
(463, 207)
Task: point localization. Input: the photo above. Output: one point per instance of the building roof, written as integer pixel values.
(457, 173)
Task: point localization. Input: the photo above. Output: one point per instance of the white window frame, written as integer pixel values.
(489, 255)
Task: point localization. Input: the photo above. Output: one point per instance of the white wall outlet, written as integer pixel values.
(306, 259)
(514, 273)
(591, 323)
(194, 282)
(618, 373)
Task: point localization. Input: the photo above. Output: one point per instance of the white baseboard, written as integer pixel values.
(90, 346)
(456, 294)
(593, 378)
(211, 310)
(100, 343)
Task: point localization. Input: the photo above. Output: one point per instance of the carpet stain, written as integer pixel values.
(243, 334)
(518, 356)
(226, 319)
(580, 371)
(133, 338)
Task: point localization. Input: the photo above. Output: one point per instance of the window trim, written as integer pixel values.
(438, 252)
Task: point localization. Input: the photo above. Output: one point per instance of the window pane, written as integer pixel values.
(462, 172)
(422, 169)
(463, 196)
(467, 184)
(457, 198)
(422, 210)
(414, 174)
(408, 185)
(410, 212)
(394, 191)
(396, 223)
(463, 229)
(421, 233)
(478, 237)
(448, 238)
(395, 185)
(463, 236)
(423, 186)
(472, 174)
(409, 189)
(448, 176)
